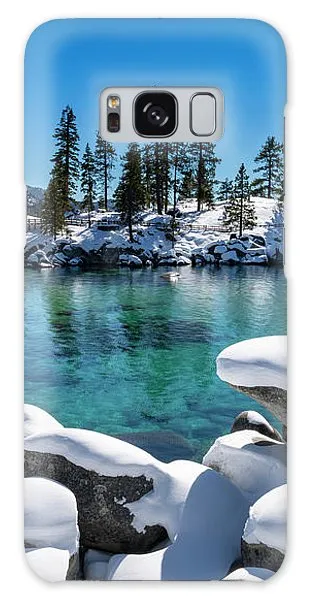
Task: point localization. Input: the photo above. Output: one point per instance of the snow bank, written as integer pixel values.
(252, 461)
(267, 520)
(207, 543)
(249, 574)
(50, 515)
(256, 362)
(37, 420)
(50, 564)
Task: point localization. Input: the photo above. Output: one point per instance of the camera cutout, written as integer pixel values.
(155, 114)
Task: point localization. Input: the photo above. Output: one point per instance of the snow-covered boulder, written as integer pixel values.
(37, 420)
(250, 419)
(275, 237)
(127, 500)
(183, 261)
(220, 249)
(258, 368)
(256, 259)
(264, 537)
(50, 564)
(207, 543)
(249, 574)
(38, 259)
(59, 259)
(51, 520)
(76, 262)
(252, 461)
(230, 257)
(130, 260)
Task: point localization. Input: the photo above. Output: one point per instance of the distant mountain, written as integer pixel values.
(35, 197)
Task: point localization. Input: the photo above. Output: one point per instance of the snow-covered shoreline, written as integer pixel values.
(138, 518)
(195, 239)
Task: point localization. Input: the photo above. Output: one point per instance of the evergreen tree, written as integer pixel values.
(52, 209)
(178, 163)
(105, 156)
(203, 159)
(65, 157)
(130, 192)
(148, 173)
(225, 191)
(88, 181)
(270, 180)
(240, 211)
(165, 161)
(188, 184)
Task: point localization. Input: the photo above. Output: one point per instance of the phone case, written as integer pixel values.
(155, 309)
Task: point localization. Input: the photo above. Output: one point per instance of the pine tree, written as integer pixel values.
(270, 180)
(188, 184)
(65, 157)
(105, 156)
(178, 163)
(53, 221)
(225, 191)
(147, 156)
(88, 181)
(130, 192)
(240, 211)
(202, 155)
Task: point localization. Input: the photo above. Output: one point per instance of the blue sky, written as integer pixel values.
(70, 61)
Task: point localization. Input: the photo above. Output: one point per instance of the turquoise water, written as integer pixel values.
(127, 352)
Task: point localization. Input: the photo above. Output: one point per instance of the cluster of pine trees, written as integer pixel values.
(153, 175)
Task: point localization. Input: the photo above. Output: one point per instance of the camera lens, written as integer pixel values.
(155, 114)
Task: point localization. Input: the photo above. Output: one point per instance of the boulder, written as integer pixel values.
(252, 461)
(127, 500)
(264, 537)
(183, 261)
(37, 420)
(59, 259)
(258, 368)
(38, 259)
(230, 257)
(250, 419)
(130, 260)
(51, 521)
(76, 262)
(208, 541)
(219, 249)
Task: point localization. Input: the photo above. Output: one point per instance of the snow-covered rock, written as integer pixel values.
(50, 564)
(207, 543)
(59, 259)
(127, 500)
(264, 537)
(255, 259)
(275, 237)
(130, 260)
(258, 368)
(183, 261)
(75, 262)
(250, 419)
(221, 249)
(38, 259)
(252, 461)
(51, 519)
(249, 574)
(37, 420)
(230, 257)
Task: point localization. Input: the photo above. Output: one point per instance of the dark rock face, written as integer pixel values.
(274, 399)
(104, 521)
(260, 555)
(243, 421)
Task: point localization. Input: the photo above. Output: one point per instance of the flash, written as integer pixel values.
(113, 101)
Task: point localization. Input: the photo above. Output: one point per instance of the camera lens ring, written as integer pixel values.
(155, 114)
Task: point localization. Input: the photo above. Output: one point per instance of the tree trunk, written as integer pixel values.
(105, 178)
(269, 178)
